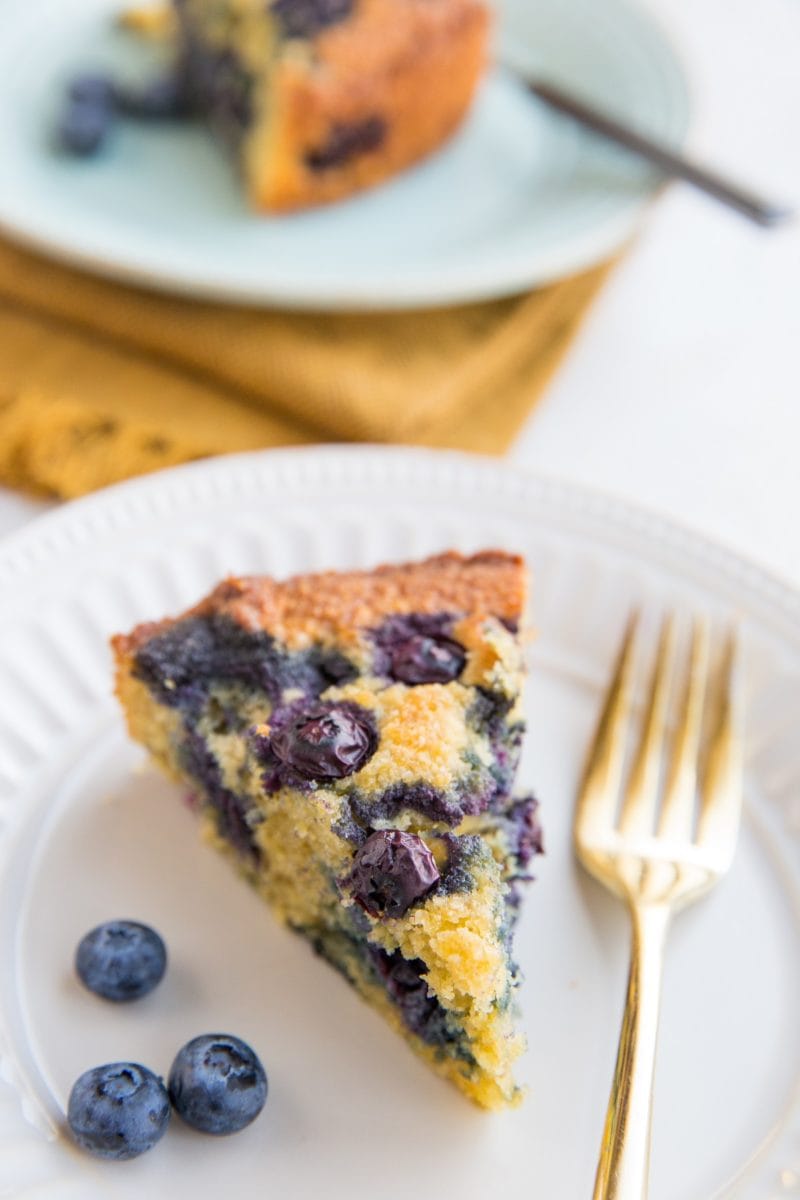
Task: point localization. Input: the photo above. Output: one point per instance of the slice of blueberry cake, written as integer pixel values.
(351, 741)
(320, 98)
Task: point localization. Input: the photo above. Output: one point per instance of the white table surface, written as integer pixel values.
(682, 392)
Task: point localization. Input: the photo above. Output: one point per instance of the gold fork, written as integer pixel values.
(667, 848)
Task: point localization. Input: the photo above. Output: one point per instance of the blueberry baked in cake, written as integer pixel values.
(350, 741)
(317, 99)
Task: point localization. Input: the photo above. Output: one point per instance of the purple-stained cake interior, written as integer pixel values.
(421, 1011)
(181, 664)
(315, 742)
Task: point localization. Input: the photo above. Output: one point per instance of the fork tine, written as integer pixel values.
(721, 785)
(641, 796)
(677, 812)
(597, 797)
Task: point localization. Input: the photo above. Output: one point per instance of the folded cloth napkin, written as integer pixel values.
(100, 381)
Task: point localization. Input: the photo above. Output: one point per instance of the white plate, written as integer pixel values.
(87, 835)
(520, 197)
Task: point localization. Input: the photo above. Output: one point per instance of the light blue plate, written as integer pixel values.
(520, 197)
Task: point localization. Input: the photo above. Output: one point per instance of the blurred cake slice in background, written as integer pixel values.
(318, 99)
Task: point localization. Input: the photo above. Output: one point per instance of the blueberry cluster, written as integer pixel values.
(216, 1083)
(93, 102)
(324, 741)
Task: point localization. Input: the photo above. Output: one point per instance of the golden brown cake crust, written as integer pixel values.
(334, 605)
(413, 66)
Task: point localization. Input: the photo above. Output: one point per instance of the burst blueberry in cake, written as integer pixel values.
(351, 741)
(317, 99)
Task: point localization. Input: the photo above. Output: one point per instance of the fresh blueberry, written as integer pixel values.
(118, 1110)
(95, 90)
(121, 960)
(391, 871)
(83, 128)
(325, 741)
(427, 659)
(166, 98)
(217, 1084)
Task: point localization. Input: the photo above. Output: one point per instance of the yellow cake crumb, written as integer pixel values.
(423, 734)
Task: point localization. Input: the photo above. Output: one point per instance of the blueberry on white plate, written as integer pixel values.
(88, 114)
(217, 1084)
(121, 960)
(118, 1110)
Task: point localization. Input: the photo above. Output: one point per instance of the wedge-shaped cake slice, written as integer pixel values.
(351, 741)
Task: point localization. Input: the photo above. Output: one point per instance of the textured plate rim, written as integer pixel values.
(467, 282)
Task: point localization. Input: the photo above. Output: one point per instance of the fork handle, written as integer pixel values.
(622, 1172)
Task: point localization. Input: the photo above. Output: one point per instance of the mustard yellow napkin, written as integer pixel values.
(100, 381)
